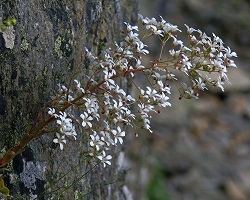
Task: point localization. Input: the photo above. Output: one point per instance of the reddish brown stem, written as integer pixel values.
(27, 138)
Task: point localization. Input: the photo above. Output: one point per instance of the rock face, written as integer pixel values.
(200, 148)
(50, 37)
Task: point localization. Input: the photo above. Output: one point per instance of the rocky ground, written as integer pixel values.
(200, 149)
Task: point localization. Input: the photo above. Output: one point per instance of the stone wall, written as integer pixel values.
(49, 44)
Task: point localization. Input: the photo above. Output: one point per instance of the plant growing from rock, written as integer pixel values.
(105, 108)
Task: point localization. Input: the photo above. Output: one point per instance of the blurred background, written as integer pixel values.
(200, 149)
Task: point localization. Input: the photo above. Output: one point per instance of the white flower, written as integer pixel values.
(152, 21)
(118, 90)
(129, 114)
(88, 54)
(129, 98)
(145, 108)
(150, 93)
(158, 76)
(86, 119)
(162, 100)
(140, 48)
(174, 53)
(69, 131)
(118, 134)
(144, 20)
(106, 138)
(146, 123)
(107, 102)
(63, 88)
(118, 118)
(78, 85)
(231, 63)
(219, 84)
(95, 141)
(132, 38)
(199, 84)
(122, 63)
(177, 42)
(163, 88)
(190, 93)
(190, 30)
(108, 73)
(169, 28)
(66, 125)
(217, 40)
(91, 105)
(60, 140)
(105, 159)
(155, 30)
(131, 28)
(186, 64)
(118, 106)
(138, 65)
(52, 112)
(229, 54)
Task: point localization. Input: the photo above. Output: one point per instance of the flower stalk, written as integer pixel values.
(104, 102)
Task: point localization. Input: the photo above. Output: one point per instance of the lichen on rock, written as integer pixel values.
(31, 172)
(9, 37)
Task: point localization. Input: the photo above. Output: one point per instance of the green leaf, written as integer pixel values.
(3, 189)
(157, 187)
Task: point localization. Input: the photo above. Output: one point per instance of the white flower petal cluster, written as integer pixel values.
(60, 140)
(105, 108)
(105, 158)
(161, 28)
(66, 127)
(202, 56)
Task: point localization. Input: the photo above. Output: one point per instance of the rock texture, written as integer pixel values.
(50, 37)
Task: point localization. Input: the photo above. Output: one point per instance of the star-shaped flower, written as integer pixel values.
(60, 140)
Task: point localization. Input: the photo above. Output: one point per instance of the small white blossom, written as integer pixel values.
(66, 125)
(118, 90)
(91, 105)
(199, 84)
(131, 28)
(140, 48)
(95, 141)
(79, 86)
(86, 118)
(52, 112)
(163, 88)
(150, 93)
(219, 84)
(105, 159)
(155, 30)
(60, 140)
(190, 30)
(177, 42)
(129, 98)
(162, 100)
(169, 28)
(118, 135)
(174, 53)
(106, 138)
(229, 54)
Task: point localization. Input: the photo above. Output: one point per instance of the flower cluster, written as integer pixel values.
(66, 127)
(201, 56)
(106, 108)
